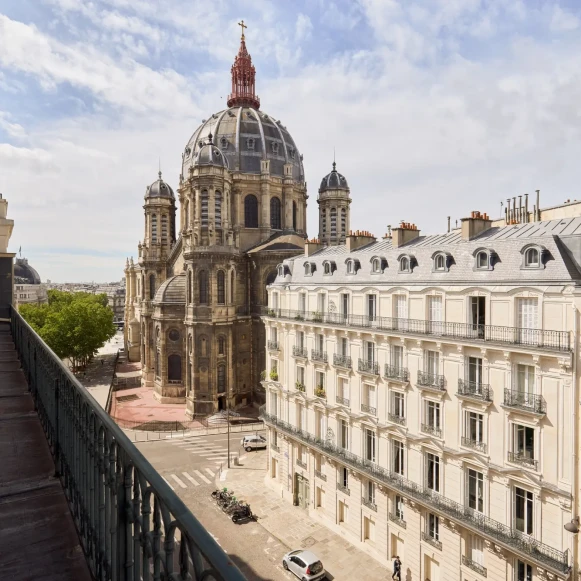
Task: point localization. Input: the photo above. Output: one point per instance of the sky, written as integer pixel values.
(434, 108)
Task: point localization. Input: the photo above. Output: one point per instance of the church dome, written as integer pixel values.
(333, 181)
(159, 189)
(209, 154)
(244, 134)
(173, 290)
(24, 273)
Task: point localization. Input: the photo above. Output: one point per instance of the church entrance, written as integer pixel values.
(221, 403)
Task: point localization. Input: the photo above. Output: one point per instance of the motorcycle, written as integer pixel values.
(232, 505)
(219, 492)
(242, 512)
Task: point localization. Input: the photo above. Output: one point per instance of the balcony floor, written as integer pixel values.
(37, 534)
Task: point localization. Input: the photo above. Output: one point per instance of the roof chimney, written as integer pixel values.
(475, 225)
(312, 246)
(403, 234)
(358, 239)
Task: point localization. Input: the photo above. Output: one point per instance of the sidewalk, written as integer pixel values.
(292, 525)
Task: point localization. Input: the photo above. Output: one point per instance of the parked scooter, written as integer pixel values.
(242, 512)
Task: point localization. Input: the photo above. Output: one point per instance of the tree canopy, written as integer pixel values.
(73, 325)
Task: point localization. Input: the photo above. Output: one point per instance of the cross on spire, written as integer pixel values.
(243, 78)
(242, 26)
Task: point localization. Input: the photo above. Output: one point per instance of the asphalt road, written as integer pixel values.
(189, 466)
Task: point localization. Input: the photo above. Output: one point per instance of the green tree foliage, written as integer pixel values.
(74, 325)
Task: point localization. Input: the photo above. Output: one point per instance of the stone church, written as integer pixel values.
(195, 291)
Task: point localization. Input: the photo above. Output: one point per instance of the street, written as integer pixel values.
(190, 466)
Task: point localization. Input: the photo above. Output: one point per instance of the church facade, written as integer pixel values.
(202, 270)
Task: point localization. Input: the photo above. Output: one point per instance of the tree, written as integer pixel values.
(73, 325)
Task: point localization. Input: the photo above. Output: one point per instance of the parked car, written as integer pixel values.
(253, 442)
(304, 564)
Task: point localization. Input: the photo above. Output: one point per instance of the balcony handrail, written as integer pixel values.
(475, 389)
(525, 401)
(319, 355)
(272, 345)
(300, 352)
(396, 372)
(469, 518)
(342, 360)
(434, 380)
(481, 569)
(368, 366)
(539, 338)
(127, 516)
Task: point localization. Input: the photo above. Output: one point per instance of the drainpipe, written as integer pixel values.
(575, 440)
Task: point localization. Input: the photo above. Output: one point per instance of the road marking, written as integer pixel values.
(210, 472)
(223, 475)
(202, 477)
(178, 480)
(194, 482)
(166, 481)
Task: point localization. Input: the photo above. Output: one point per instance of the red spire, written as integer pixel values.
(243, 78)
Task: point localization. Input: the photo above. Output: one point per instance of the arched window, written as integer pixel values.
(376, 265)
(203, 280)
(250, 211)
(294, 215)
(327, 268)
(221, 283)
(333, 223)
(151, 286)
(275, 221)
(154, 228)
(218, 209)
(174, 367)
(164, 229)
(404, 264)
(221, 379)
(440, 262)
(189, 292)
(232, 279)
(308, 268)
(204, 211)
(482, 260)
(532, 257)
(221, 346)
(186, 214)
(349, 267)
(343, 221)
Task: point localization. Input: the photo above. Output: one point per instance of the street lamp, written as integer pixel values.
(228, 421)
(573, 526)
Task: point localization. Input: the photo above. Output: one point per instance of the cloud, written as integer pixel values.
(304, 27)
(563, 21)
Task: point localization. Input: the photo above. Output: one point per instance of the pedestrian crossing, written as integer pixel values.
(215, 451)
(190, 479)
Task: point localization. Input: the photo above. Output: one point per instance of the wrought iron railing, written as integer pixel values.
(301, 464)
(431, 380)
(396, 373)
(396, 419)
(130, 523)
(525, 401)
(432, 430)
(272, 345)
(367, 366)
(369, 503)
(474, 444)
(342, 400)
(320, 475)
(368, 409)
(343, 489)
(398, 520)
(342, 361)
(300, 352)
(538, 338)
(474, 389)
(319, 356)
(480, 569)
(522, 459)
(431, 540)
(513, 539)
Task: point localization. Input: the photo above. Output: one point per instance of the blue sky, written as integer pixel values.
(434, 107)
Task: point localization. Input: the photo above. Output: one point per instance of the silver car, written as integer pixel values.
(305, 565)
(253, 442)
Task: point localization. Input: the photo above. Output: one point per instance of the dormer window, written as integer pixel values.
(482, 260)
(327, 268)
(250, 143)
(281, 270)
(405, 263)
(350, 267)
(291, 151)
(310, 267)
(274, 147)
(223, 143)
(440, 262)
(378, 264)
(533, 256)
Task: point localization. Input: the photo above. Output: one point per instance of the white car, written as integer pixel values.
(305, 565)
(253, 442)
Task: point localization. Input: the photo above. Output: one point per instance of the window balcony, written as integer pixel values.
(522, 459)
(474, 390)
(273, 346)
(524, 546)
(396, 373)
(369, 504)
(368, 409)
(300, 386)
(343, 489)
(320, 356)
(474, 444)
(432, 541)
(431, 381)
(432, 430)
(275, 448)
(525, 401)
(320, 475)
(320, 391)
(396, 419)
(342, 400)
(559, 341)
(301, 464)
(300, 352)
(343, 361)
(367, 366)
(481, 570)
(397, 520)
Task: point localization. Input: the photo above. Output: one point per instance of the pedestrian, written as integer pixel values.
(396, 569)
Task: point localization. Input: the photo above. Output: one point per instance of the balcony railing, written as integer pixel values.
(368, 409)
(301, 464)
(396, 373)
(538, 338)
(366, 366)
(368, 503)
(319, 356)
(343, 489)
(432, 430)
(342, 400)
(474, 444)
(522, 459)
(513, 539)
(300, 352)
(272, 345)
(398, 520)
(396, 419)
(342, 361)
(431, 380)
(474, 389)
(480, 569)
(525, 401)
(130, 522)
(432, 541)
(320, 475)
